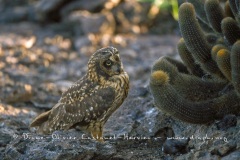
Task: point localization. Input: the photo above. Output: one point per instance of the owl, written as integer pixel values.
(90, 101)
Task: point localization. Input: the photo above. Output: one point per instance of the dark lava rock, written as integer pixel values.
(130, 13)
(203, 155)
(4, 139)
(55, 10)
(86, 22)
(233, 156)
(59, 145)
(49, 10)
(131, 138)
(165, 132)
(224, 149)
(139, 92)
(227, 122)
(91, 6)
(16, 14)
(173, 146)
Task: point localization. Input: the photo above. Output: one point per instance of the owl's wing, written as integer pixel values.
(90, 107)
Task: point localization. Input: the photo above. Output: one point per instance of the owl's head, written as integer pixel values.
(105, 62)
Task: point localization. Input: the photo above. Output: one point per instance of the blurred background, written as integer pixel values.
(47, 44)
(99, 20)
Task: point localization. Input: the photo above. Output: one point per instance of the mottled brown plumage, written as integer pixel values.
(90, 101)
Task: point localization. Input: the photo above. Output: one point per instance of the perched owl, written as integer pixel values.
(90, 101)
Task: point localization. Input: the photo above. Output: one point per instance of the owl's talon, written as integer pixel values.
(97, 136)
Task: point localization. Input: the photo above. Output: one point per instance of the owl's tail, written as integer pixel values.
(41, 121)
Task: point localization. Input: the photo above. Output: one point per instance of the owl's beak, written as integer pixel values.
(121, 70)
(118, 69)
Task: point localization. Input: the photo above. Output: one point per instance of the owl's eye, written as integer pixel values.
(108, 63)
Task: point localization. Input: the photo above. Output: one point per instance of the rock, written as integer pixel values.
(137, 126)
(4, 139)
(91, 6)
(14, 3)
(49, 10)
(17, 93)
(47, 6)
(13, 15)
(15, 40)
(105, 150)
(173, 146)
(59, 145)
(64, 146)
(139, 92)
(138, 113)
(224, 149)
(185, 156)
(56, 10)
(168, 157)
(227, 122)
(165, 133)
(131, 16)
(202, 155)
(86, 22)
(83, 45)
(233, 156)
(199, 155)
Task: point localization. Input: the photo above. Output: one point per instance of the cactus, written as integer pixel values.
(192, 96)
(235, 62)
(214, 13)
(188, 60)
(231, 30)
(223, 62)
